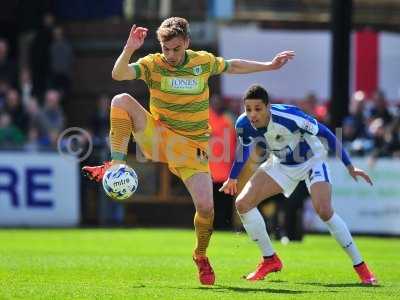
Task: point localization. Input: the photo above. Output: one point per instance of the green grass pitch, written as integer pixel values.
(156, 264)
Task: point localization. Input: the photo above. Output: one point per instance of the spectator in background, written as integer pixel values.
(29, 15)
(10, 135)
(386, 139)
(61, 58)
(99, 121)
(357, 117)
(4, 87)
(8, 68)
(349, 133)
(355, 135)
(377, 131)
(52, 115)
(25, 86)
(380, 127)
(53, 135)
(379, 108)
(311, 106)
(14, 108)
(222, 153)
(33, 142)
(39, 55)
(392, 138)
(40, 133)
(35, 114)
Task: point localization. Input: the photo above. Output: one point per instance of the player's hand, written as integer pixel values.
(281, 59)
(355, 172)
(229, 187)
(136, 38)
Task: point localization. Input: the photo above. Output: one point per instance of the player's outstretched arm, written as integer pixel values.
(121, 70)
(230, 185)
(356, 172)
(335, 146)
(242, 66)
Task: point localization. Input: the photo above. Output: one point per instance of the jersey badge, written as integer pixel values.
(197, 70)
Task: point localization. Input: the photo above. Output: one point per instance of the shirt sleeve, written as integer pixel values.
(218, 65)
(334, 144)
(142, 68)
(241, 157)
(308, 125)
(242, 154)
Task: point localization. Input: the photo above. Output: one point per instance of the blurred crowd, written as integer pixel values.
(33, 85)
(372, 127)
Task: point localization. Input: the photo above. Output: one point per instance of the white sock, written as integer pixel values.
(341, 233)
(254, 224)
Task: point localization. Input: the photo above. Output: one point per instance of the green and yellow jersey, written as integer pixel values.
(179, 96)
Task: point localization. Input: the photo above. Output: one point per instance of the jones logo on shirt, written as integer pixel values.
(184, 84)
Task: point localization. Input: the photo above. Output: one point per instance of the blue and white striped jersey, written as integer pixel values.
(291, 135)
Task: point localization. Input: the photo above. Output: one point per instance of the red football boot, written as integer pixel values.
(366, 276)
(265, 267)
(206, 272)
(96, 173)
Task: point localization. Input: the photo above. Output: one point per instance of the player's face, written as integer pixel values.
(174, 50)
(257, 112)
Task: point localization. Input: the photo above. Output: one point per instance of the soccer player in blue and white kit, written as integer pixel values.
(295, 141)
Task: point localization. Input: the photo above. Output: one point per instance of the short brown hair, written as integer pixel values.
(257, 92)
(173, 27)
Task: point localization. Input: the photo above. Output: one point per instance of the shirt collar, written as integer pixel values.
(269, 126)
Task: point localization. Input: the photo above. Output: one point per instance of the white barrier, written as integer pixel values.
(38, 190)
(258, 44)
(310, 70)
(365, 209)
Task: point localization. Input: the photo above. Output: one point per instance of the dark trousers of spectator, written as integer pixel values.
(223, 208)
(61, 82)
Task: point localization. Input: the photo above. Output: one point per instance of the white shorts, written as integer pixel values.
(288, 177)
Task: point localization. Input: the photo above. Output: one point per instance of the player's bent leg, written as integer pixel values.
(321, 193)
(256, 158)
(126, 116)
(321, 199)
(135, 110)
(200, 188)
(259, 187)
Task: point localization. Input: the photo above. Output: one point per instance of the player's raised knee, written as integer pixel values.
(122, 100)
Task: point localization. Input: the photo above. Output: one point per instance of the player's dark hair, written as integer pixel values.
(173, 27)
(257, 92)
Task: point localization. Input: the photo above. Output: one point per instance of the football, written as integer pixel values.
(120, 182)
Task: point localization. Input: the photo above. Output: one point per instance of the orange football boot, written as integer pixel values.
(266, 266)
(96, 173)
(206, 272)
(366, 276)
